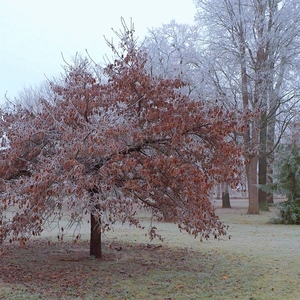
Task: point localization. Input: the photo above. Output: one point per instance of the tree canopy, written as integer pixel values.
(108, 146)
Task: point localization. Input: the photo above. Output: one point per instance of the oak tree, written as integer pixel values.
(108, 147)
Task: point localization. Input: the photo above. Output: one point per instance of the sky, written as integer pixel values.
(35, 33)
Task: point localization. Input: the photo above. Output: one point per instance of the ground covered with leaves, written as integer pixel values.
(256, 260)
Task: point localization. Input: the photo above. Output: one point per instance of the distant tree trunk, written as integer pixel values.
(270, 196)
(225, 196)
(168, 215)
(218, 191)
(262, 164)
(95, 239)
(251, 169)
(262, 179)
(270, 147)
(270, 159)
(249, 141)
(253, 207)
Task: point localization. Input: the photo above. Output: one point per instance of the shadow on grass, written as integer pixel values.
(136, 271)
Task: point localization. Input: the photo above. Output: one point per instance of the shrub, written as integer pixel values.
(289, 213)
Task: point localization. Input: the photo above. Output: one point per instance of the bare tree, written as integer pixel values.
(253, 51)
(175, 50)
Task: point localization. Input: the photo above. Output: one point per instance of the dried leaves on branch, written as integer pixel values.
(108, 146)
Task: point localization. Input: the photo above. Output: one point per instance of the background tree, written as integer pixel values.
(253, 52)
(286, 181)
(108, 148)
(178, 50)
(173, 51)
(225, 196)
(286, 176)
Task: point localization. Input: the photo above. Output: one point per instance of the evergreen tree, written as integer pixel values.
(286, 181)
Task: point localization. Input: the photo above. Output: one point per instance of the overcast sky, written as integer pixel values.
(34, 33)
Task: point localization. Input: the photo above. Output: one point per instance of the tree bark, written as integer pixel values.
(262, 179)
(249, 141)
(271, 143)
(270, 196)
(225, 196)
(95, 239)
(262, 164)
(218, 191)
(253, 207)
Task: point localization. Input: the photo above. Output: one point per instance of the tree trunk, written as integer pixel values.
(253, 207)
(225, 196)
(262, 164)
(270, 196)
(270, 158)
(249, 141)
(95, 240)
(218, 191)
(270, 147)
(262, 179)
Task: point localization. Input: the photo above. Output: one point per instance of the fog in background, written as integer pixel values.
(34, 34)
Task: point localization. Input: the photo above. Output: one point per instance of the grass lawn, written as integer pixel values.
(256, 260)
